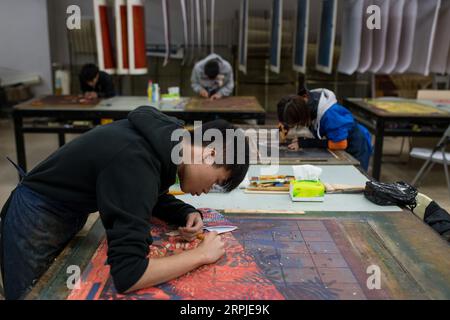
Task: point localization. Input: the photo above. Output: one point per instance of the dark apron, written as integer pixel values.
(34, 230)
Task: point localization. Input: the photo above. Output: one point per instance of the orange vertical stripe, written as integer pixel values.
(106, 41)
(140, 57)
(123, 28)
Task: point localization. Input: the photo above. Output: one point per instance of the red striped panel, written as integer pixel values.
(140, 58)
(106, 41)
(123, 27)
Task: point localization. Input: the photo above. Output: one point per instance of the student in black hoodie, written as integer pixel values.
(95, 83)
(123, 170)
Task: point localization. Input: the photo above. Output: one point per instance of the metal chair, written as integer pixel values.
(436, 155)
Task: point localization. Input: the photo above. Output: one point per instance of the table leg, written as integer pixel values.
(20, 143)
(61, 139)
(261, 120)
(378, 152)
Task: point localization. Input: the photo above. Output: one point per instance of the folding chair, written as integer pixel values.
(436, 155)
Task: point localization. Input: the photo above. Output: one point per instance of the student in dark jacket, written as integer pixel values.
(124, 171)
(332, 125)
(95, 83)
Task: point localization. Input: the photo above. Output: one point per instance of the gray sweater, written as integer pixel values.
(224, 81)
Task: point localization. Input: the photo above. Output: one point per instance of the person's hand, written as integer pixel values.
(194, 226)
(203, 93)
(211, 248)
(91, 95)
(216, 96)
(294, 145)
(283, 132)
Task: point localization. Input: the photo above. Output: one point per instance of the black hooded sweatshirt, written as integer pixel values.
(123, 170)
(104, 86)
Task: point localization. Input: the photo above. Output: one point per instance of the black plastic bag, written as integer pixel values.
(438, 219)
(387, 194)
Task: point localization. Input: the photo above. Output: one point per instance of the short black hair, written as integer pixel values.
(281, 106)
(294, 111)
(88, 72)
(212, 68)
(239, 165)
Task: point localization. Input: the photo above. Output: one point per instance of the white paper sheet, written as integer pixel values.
(365, 58)
(405, 49)
(441, 45)
(393, 36)
(379, 37)
(427, 14)
(352, 25)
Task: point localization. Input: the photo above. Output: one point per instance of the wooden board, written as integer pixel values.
(285, 258)
(64, 101)
(315, 256)
(309, 153)
(236, 276)
(303, 156)
(404, 107)
(227, 104)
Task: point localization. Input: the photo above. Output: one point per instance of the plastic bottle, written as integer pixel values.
(150, 90)
(156, 93)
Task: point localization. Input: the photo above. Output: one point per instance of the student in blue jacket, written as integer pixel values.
(332, 125)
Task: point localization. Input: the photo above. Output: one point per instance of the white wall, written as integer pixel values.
(24, 40)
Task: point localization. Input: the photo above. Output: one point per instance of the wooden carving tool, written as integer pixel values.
(330, 188)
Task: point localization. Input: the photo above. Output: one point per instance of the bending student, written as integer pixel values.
(123, 170)
(94, 83)
(332, 125)
(212, 77)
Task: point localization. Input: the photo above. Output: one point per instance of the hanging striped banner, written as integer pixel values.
(205, 23)
(103, 37)
(213, 8)
(276, 35)
(192, 29)
(166, 31)
(243, 36)
(427, 18)
(408, 30)
(120, 10)
(185, 29)
(352, 25)
(380, 36)
(365, 54)
(199, 23)
(441, 47)
(393, 36)
(301, 36)
(136, 36)
(326, 35)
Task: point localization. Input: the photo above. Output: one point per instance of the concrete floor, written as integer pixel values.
(394, 168)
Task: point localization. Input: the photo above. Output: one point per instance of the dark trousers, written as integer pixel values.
(34, 230)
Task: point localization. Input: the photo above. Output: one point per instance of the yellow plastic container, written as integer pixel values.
(307, 190)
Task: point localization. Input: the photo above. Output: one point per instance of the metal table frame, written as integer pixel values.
(382, 124)
(61, 114)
